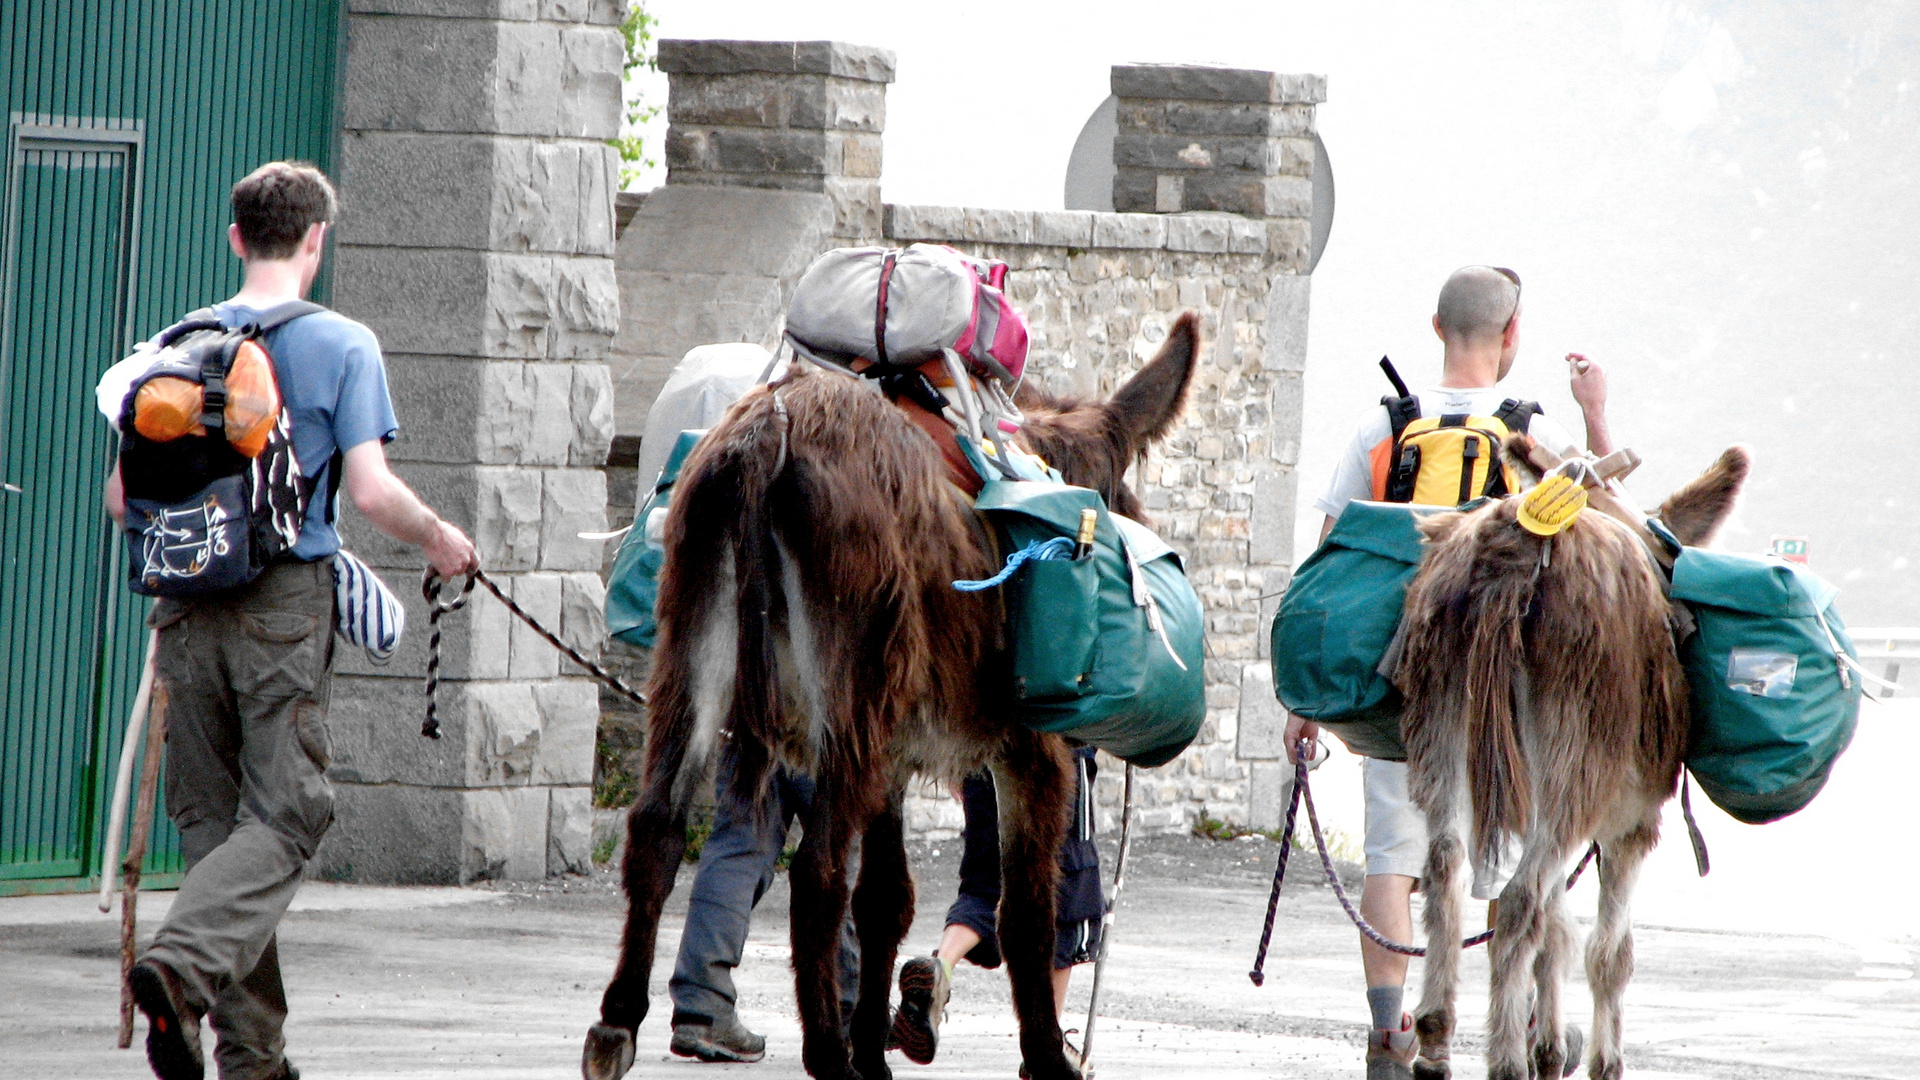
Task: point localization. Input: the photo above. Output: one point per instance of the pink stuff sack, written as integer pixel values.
(900, 308)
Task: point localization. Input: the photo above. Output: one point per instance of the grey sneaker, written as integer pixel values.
(924, 989)
(1390, 1053)
(723, 1040)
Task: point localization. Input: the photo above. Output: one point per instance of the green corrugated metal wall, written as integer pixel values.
(127, 124)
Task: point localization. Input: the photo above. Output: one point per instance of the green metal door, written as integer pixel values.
(127, 123)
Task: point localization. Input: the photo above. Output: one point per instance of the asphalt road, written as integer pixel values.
(502, 983)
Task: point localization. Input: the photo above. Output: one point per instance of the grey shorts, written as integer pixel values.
(1396, 840)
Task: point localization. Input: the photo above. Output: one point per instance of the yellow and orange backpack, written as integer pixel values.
(1443, 460)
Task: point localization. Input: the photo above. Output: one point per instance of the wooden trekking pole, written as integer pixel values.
(123, 776)
(1106, 921)
(143, 797)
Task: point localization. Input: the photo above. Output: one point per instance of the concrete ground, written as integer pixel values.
(502, 983)
(1795, 959)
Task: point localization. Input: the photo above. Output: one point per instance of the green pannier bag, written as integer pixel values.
(635, 582)
(1339, 615)
(1773, 702)
(1107, 649)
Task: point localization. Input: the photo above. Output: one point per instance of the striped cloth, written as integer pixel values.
(365, 611)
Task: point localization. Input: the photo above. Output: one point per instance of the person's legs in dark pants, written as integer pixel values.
(971, 930)
(737, 866)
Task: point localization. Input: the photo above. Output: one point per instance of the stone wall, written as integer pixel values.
(476, 237)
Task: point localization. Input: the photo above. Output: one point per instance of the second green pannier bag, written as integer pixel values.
(1107, 649)
(1338, 618)
(1774, 701)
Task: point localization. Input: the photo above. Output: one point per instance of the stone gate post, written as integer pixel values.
(1197, 141)
(476, 239)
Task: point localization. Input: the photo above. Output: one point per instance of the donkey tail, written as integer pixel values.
(1496, 672)
(722, 502)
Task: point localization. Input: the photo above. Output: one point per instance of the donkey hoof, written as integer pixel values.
(1427, 1069)
(608, 1054)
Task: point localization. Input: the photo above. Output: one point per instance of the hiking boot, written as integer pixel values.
(924, 987)
(727, 1040)
(173, 1028)
(1390, 1053)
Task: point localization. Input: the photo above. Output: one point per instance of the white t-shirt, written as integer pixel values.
(1353, 476)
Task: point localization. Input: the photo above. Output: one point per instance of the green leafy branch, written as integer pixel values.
(638, 28)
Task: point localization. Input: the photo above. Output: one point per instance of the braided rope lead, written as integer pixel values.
(430, 587)
(1259, 973)
(1333, 879)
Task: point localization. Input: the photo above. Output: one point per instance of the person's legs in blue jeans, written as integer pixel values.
(737, 866)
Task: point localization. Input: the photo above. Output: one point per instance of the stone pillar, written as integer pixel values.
(787, 115)
(1202, 138)
(476, 239)
(1198, 141)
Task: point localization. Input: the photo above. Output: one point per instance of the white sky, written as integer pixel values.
(1718, 201)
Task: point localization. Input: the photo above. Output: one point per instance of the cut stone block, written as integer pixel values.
(1288, 303)
(570, 831)
(1200, 82)
(716, 57)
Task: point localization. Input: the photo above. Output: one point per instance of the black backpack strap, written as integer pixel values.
(336, 465)
(281, 314)
(1517, 414)
(1401, 411)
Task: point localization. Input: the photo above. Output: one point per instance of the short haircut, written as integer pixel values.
(275, 205)
(1478, 301)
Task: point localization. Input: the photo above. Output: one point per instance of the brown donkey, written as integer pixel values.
(807, 613)
(1545, 701)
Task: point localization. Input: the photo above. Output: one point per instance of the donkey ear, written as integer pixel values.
(1148, 404)
(1697, 511)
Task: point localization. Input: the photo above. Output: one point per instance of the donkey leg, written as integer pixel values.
(1550, 1044)
(656, 840)
(1034, 784)
(1436, 1016)
(1511, 954)
(819, 912)
(1610, 948)
(882, 915)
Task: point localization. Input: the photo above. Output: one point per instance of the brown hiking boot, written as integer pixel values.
(924, 988)
(173, 1028)
(726, 1040)
(1390, 1053)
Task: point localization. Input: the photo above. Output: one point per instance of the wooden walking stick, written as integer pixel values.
(123, 777)
(143, 797)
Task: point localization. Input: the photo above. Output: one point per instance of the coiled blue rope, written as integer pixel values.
(1059, 547)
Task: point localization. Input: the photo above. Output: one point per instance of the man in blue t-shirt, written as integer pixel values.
(242, 676)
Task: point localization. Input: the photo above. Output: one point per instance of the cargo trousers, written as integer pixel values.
(245, 675)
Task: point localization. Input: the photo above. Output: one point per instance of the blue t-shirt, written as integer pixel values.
(335, 386)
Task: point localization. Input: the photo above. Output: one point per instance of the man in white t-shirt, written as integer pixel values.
(1478, 322)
